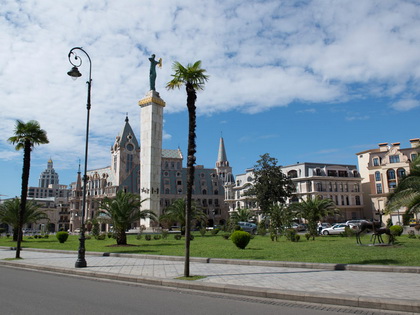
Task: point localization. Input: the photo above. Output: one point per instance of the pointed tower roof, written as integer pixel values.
(127, 134)
(222, 151)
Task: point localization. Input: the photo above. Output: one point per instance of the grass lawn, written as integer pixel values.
(326, 249)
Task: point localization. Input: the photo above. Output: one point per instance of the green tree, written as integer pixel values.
(194, 78)
(280, 217)
(10, 211)
(313, 210)
(241, 215)
(407, 192)
(122, 211)
(176, 213)
(271, 186)
(26, 136)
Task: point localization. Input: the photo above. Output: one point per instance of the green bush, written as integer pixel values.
(297, 238)
(157, 237)
(110, 234)
(348, 232)
(226, 236)
(291, 234)
(215, 231)
(240, 239)
(417, 227)
(100, 237)
(237, 228)
(261, 230)
(203, 231)
(2, 230)
(308, 236)
(177, 237)
(165, 234)
(411, 234)
(396, 230)
(147, 237)
(62, 236)
(191, 237)
(139, 237)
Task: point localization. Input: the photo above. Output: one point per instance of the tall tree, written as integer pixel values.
(26, 136)
(10, 210)
(407, 192)
(121, 212)
(176, 213)
(194, 78)
(313, 210)
(271, 186)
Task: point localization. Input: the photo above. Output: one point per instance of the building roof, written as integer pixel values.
(172, 154)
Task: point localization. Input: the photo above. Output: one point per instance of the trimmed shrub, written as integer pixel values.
(274, 236)
(62, 236)
(261, 230)
(100, 237)
(411, 234)
(417, 227)
(308, 236)
(177, 237)
(203, 231)
(110, 234)
(215, 231)
(165, 234)
(139, 237)
(226, 236)
(291, 234)
(297, 238)
(396, 230)
(147, 237)
(157, 237)
(240, 239)
(191, 237)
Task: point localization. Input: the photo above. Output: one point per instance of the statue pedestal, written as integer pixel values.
(151, 125)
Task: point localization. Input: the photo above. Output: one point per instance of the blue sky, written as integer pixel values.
(306, 81)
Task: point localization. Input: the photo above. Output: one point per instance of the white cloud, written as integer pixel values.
(259, 55)
(405, 105)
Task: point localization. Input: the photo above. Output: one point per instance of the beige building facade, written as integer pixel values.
(381, 170)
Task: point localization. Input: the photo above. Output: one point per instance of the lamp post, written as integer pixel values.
(76, 61)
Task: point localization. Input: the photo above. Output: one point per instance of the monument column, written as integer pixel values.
(151, 125)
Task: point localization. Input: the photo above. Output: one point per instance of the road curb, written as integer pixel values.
(289, 295)
(246, 262)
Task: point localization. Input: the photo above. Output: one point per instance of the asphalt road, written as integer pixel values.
(31, 292)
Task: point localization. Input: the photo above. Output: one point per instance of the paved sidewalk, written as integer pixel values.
(377, 287)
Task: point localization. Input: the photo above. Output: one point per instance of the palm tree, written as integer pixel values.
(26, 137)
(241, 215)
(407, 193)
(121, 212)
(176, 213)
(313, 210)
(194, 78)
(280, 216)
(10, 210)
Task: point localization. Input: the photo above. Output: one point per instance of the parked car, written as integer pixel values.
(335, 229)
(413, 222)
(248, 227)
(302, 227)
(355, 222)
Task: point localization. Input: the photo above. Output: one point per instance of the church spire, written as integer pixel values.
(222, 157)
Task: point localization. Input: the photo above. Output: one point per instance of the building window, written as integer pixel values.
(376, 162)
(413, 156)
(377, 176)
(204, 192)
(391, 174)
(378, 188)
(392, 185)
(394, 159)
(401, 172)
(332, 173)
(358, 200)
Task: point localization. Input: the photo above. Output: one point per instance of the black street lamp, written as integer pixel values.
(76, 61)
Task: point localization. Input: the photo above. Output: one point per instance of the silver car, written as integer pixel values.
(248, 227)
(335, 229)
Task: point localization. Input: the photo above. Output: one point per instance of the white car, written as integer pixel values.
(335, 229)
